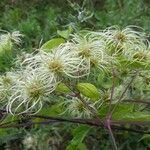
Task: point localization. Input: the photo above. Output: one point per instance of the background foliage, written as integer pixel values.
(45, 19)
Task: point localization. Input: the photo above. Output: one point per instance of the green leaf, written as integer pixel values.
(134, 116)
(125, 112)
(137, 65)
(62, 88)
(9, 118)
(79, 134)
(65, 33)
(124, 62)
(122, 108)
(3, 132)
(6, 47)
(52, 44)
(128, 107)
(88, 90)
(82, 146)
(146, 136)
(54, 110)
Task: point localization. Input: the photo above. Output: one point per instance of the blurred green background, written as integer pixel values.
(40, 19)
(44, 19)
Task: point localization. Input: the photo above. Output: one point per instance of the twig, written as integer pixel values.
(91, 122)
(112, 137)
(123, 122)
(130, 130)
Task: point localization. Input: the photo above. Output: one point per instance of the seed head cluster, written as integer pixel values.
(25, 90)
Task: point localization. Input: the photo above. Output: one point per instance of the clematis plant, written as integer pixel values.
(95, 78)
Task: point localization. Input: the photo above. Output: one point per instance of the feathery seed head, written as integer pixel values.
(30, 93)
(76, 108)
(63, 60)
(8, 37)
(124, 39)
(92, 49)
(6, 83)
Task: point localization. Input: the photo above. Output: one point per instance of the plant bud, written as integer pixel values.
(88, 90)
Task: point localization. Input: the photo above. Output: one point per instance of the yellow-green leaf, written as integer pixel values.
(52, 44)
(88, 90)
(62, 88)
(134, 116)
(79, 134)
(65, 33)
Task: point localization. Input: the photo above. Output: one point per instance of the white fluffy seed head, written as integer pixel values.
(141, 53)
(92, 48)
(76, 108)
(63, 60)
(42, 71)
(6, 83)
(121, 40)
(30, 92)
(8, 37)
(30, 141)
